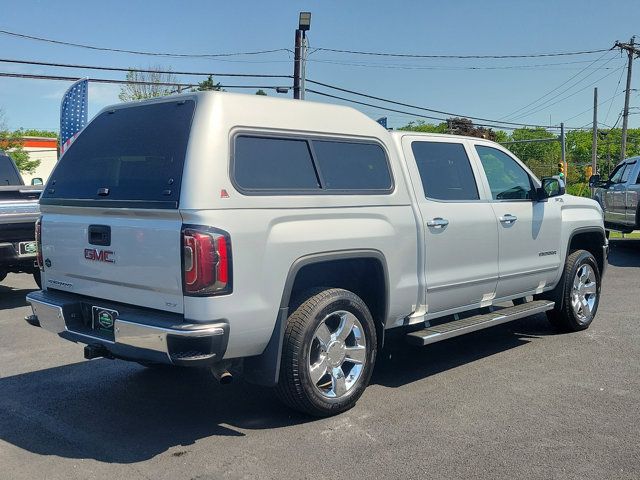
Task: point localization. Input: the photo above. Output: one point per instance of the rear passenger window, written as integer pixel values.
(274, 164)
(445, 171)
(352, 166)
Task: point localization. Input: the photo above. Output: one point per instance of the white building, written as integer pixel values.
(44, 149)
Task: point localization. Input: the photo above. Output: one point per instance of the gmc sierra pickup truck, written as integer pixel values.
(18, 215)
(283, 239)
(619, 196)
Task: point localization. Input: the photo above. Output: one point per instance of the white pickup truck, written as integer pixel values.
(283, 238)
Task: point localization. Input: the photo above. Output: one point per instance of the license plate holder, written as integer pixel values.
(103, 319)
(27, 249)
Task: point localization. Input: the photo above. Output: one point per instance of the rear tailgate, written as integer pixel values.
(131, 258)
(110, 219)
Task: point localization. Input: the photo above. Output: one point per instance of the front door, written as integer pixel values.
(460, 250)
(613, 196)
(529, 230)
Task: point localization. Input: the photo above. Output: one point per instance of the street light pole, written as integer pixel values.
(303, 65)
(300, 55)
(296, 64)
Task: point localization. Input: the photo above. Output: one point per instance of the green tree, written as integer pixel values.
(155, 83)
(421, 126)
(209, 84)
(11, 142)
(541, 157)
(455, 126)
(31, 132)
(261, 92)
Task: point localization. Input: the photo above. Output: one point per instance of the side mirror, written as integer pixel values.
(36, 181)
(551, 187)
(594, 181)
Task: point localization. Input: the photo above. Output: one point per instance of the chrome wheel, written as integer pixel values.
(584, 292)
(338, 354)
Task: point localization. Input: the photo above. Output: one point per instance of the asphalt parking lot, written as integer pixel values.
(515, 401)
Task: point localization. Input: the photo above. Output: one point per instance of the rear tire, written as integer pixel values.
(580, 293)
(328, 353)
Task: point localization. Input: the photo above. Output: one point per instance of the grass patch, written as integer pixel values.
(632, 235)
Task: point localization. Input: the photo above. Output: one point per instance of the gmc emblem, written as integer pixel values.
(99, 255)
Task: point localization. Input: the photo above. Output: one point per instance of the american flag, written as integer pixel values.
(73, 112)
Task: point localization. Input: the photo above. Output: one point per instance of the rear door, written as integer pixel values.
(621, 193)
(529, 231)
(460, 231)
(111, 225)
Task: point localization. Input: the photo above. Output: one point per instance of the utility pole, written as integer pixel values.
(300, 55)
(296, 64)
(631, 51)
(594, 141)
(563, 152)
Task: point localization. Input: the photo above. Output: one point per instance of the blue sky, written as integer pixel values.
(464, 27)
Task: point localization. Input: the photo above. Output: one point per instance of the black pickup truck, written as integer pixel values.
(18, 214)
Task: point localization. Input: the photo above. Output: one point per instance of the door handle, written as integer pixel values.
(508, 219)
(438, 222)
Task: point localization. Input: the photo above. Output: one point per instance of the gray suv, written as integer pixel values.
(618, 196)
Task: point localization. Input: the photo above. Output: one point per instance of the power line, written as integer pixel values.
(408, 55)
(547, 105)
(126, 69)
(124, 82)
(591, 108)
(404, 111)
(123, 69)
(614, 94)
(450, 114)
(444, 67)
(140, 52)
(554, 89)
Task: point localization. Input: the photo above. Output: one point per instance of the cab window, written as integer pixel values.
(616, 176)
(627, 172)
(507, 179)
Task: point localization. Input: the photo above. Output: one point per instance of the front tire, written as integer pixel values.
(328, 353)
(580, 295)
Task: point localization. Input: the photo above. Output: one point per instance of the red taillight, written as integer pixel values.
(39, 244)
(206, 261)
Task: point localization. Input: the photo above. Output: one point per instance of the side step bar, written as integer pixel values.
(452, 329)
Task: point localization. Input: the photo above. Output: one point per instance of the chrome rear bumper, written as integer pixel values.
(186, 344)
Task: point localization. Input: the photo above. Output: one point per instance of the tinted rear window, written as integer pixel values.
(307, 166)
(134, 156)
(8, 175)
(274, 163)
(352, 166)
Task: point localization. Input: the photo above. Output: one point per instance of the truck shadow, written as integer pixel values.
(624, 253)
(114, 411)
(400, 364)
(13, 297)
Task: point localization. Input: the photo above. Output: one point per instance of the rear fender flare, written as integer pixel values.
(264, 369)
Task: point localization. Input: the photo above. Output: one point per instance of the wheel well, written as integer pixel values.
(590, 241)
(365, 277)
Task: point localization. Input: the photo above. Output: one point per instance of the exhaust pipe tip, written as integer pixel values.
(222, 374)
(225, 378)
